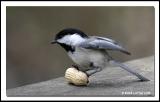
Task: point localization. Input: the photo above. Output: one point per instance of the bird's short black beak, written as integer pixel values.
(53, 42)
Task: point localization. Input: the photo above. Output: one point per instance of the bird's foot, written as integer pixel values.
(93, 71)
(75, 66)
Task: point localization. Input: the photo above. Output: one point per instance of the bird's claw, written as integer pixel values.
(75, 66)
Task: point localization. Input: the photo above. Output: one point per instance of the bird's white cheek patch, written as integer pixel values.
(65, 39)
(76, 39)
(71, 39)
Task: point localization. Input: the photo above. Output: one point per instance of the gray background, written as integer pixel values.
(30, 56)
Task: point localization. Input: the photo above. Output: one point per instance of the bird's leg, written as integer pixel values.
(123, 66)
(75, 66)
(93, 71)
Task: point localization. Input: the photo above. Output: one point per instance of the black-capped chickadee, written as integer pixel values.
(90, 52)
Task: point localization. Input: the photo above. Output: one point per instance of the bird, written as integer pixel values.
(90, 53)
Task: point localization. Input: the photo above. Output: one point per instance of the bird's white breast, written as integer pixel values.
(83, 57)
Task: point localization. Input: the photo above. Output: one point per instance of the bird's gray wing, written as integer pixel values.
(95, 42)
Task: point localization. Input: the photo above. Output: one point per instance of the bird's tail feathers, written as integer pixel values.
(123, 66)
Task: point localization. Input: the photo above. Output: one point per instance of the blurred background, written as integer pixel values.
(30, 56)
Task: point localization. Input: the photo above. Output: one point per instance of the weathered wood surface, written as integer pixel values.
(112, 81)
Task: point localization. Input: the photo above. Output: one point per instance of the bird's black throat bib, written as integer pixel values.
(68, 47)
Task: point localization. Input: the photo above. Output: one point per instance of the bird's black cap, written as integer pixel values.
(69, 31)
